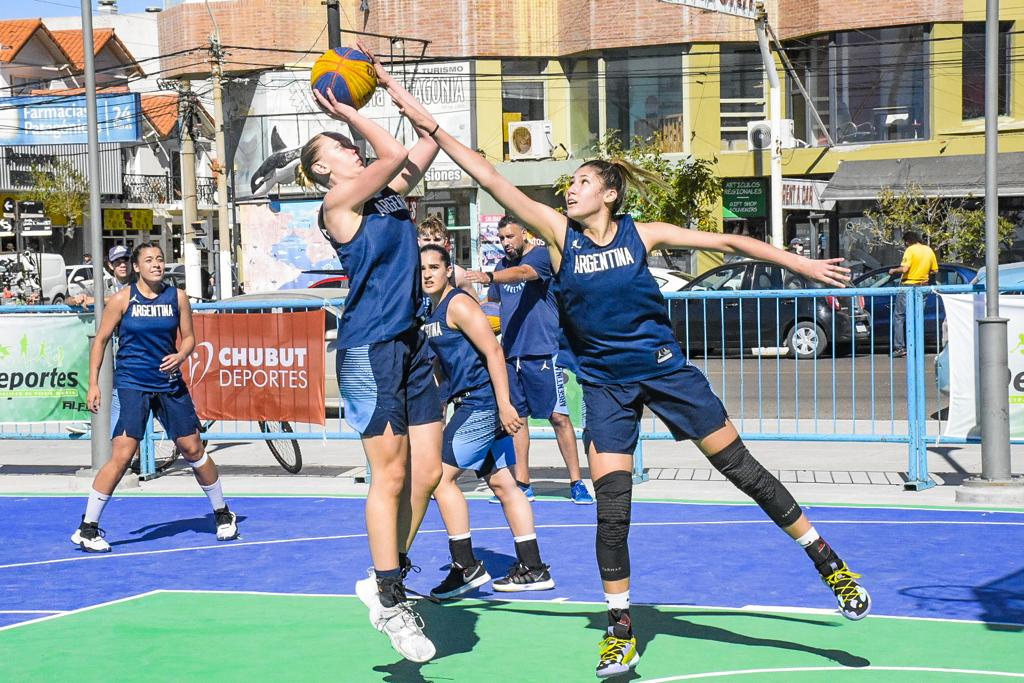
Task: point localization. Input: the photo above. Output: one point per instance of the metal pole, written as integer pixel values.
(775, 113)
(189, 201)
(333, 24)
(994, 368)
(100, 447)
(224, 285)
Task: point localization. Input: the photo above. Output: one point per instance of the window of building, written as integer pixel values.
(874, 82)
(973, 89)
(584, 105)
(644, 91)
(522, 92)
(742, 92)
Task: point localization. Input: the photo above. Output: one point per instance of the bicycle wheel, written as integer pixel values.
(286, 451)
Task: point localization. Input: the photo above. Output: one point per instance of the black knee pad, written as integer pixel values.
(614, 494)
(749, 476)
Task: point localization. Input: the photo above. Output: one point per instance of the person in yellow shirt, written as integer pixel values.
(917, 268)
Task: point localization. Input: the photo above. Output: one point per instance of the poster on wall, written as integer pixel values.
(490, 248)
(280, 241)
(44, 367)
(962, 312)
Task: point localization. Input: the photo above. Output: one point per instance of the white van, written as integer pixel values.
(54, 282)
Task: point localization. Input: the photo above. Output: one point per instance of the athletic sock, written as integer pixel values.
(403, 561)
(620, 623)
(461, 549)
(817, 548)
(216, 495)
(94, 508)
(528, 551)
(389, 585)
(618, 601)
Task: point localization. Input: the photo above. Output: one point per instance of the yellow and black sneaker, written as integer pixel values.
(618, 656)
(854, 601)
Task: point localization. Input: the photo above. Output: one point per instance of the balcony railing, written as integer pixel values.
(164, 189)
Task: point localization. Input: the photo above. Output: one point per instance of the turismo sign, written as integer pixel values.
(737, 8)
(61, 119)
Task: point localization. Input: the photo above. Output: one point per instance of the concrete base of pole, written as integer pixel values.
(130, 480)
(978, 491)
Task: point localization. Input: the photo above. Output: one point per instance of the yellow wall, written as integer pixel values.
(488, 108)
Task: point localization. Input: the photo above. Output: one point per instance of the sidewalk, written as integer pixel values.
(822, 473)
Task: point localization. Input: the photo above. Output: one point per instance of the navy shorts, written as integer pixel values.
(474, 438)
(174, 409)
(683, 399)
(389, 382)
(536, 386)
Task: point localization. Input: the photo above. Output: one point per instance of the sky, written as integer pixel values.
(32, 9)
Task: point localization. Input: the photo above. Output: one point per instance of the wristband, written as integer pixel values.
(436, 128)
(490, 277)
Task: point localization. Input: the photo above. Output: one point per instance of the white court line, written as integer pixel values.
(845, 669)
(244, 544)
(32, 611)
(59, 615)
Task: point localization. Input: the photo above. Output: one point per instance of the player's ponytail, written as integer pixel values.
(621, 175)
(305, 176)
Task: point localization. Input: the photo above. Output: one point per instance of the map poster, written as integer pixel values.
(280, 241)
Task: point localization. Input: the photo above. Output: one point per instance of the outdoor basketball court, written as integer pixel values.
(719, 593)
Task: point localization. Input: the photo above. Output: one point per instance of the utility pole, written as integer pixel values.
(189, 202)
(775, 114)
(221, 175)
(333, 24)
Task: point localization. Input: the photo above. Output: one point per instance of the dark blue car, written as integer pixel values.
(880, 307)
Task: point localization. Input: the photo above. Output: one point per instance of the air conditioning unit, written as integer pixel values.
(529, 140)
(759, 135)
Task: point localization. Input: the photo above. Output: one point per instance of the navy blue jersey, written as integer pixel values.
(529, 310)
(615, 316)
(382, 261)
(148, 332)
(463, 366)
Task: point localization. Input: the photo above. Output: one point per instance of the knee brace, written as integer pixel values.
(196, 464)
(614, 493)
(749, 476)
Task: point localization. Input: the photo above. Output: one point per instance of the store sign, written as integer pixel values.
(55, 119)
(128, 220)
(737, 8)
(745, 198)
(32, 219)
(804, 195)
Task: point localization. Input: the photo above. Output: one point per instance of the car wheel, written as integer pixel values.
(806, 340)
(58, 299)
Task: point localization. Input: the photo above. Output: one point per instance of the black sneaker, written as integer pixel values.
(461, 580)
(89, 537)
(854, 601)
(227, 524)
(522, 578)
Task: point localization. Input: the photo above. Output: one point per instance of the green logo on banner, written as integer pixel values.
(44, 367)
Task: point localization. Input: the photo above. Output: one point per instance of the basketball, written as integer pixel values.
(346, 72)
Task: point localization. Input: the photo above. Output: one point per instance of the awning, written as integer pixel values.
(953, 176)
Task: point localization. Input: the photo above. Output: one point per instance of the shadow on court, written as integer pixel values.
(195, 525)
(1001, 601)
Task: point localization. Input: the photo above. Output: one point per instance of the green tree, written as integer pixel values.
(953, 226)
(693, 187)
(62, 189)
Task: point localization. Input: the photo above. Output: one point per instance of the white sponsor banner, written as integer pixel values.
(737, 8)
(962, 311)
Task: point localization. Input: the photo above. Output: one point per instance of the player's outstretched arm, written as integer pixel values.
(668, 236)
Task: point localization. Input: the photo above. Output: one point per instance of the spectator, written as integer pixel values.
(432, 230)
(523, 282)
(917, 268)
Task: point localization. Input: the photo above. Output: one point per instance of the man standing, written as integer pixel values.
(523, 284)
(918, 266)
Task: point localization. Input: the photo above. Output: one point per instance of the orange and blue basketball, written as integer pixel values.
(346, 72)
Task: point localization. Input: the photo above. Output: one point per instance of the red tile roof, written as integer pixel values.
(70, 40)
(161, 110)
(14, 34)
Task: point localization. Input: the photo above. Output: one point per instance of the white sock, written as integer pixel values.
(459, 537)
(808, 538)
(215, 493)
(523, 539)
(94, 508)
(618, 601)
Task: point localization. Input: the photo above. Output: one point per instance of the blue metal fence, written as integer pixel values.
(790, 365)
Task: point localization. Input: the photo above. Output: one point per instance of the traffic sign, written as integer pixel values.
(6, 227)
(30, 209)
(36, 227)
(10, 208)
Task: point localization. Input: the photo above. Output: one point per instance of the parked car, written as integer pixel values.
(174, 276)
(880, 307)
(79, 279)
(807, 326)
(44, 271)
(1010, 275)
(331, 314)
(671, 280)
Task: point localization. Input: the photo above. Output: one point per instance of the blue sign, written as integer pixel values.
(62, 119)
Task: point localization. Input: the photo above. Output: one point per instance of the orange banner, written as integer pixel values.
(258, 366)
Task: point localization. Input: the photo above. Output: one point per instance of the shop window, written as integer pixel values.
(973, 89)
(742, 93)
(645, 97)
(584, 106)
(522, 93)
(811, 62)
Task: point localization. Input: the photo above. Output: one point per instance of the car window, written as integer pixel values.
(660, 280)
(767, 277)
(880, 279)
(730, 278)
(791, 280)
(948, 276)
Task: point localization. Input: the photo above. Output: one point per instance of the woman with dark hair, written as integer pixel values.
(617, 326)
(148, 317)
(384, 370)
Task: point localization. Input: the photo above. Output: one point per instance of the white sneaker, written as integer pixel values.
(89, 537)
(227, 524)
(405, 629)
(79, 428)
(366, 590)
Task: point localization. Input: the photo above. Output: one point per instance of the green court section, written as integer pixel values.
(172, 636)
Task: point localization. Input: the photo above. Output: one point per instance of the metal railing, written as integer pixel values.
(148, 189)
